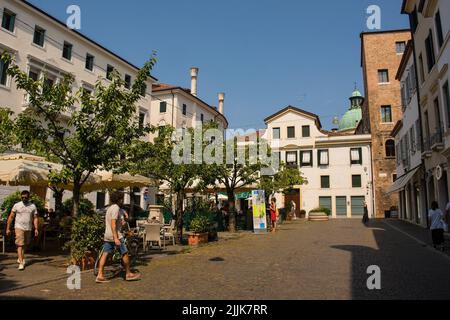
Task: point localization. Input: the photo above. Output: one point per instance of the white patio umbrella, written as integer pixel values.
(21, 169)
(110, 180)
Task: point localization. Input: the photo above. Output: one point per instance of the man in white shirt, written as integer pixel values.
(436, 219)
(114, 220)
(26, 215)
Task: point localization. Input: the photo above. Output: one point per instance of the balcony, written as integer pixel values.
(426, 148)
(437, 143)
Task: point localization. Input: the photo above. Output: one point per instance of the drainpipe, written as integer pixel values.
(173, 105)
(373, 185)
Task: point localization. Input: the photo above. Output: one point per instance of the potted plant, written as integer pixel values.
(302, 214)
(319, 214)
(87, 234)
(199, 228)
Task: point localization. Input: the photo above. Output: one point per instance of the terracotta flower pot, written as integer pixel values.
(195, 239)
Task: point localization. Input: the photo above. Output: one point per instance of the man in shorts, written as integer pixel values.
(26, 215)
(114, 220)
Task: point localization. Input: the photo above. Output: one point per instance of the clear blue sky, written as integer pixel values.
(264, 54)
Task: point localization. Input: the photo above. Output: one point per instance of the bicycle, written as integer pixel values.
(114, 263)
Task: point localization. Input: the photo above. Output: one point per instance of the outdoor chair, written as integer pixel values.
(168, 232)
(153, 235)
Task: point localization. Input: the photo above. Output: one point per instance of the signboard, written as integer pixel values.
(259, 211)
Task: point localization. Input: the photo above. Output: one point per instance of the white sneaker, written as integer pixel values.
(21, 267)
(18, 261)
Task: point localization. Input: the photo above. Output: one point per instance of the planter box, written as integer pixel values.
(194, 239)
(318, 216)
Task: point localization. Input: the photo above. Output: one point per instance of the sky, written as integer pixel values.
(264, 54)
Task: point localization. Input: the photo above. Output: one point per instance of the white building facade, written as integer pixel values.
(337, 165)
(42, 44)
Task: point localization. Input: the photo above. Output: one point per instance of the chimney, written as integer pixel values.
(194, 74)
(221, 101)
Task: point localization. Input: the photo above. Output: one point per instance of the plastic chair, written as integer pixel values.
(168, 232)
(152, 235)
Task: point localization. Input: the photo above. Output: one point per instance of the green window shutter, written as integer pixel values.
(341, 206)
(356, 181)
(357, 206)
(325, 202)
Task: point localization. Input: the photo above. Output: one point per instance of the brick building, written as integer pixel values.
(381, 54)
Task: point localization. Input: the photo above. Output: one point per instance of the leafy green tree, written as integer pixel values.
(83, 139)
(282, 181)
(8, 138)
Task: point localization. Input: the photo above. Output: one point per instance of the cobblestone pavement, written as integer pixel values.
(303, 260)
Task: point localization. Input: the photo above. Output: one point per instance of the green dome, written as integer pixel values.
(350, 119)
(356, 93)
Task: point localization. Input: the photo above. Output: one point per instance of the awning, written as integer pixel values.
(401, 182)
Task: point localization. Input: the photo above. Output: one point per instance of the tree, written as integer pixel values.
(157, 160)
(7, 128)
(93, 135)
(237, 171)
(282, 181)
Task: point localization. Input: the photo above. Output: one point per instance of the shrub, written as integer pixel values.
(87, 235)
(86, 207)
(15, 197)
(200, 224)
(324, 210)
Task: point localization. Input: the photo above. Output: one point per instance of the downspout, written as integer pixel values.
(173, 105)
(373, 185)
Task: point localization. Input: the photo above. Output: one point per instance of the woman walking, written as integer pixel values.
(436, 217)
(273, 214)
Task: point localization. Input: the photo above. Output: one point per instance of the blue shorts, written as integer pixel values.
(109, 247)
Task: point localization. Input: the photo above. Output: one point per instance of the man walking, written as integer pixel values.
(26, 215)
(114, 220)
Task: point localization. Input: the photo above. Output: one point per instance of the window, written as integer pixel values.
(394, 177)
(86, 92)
(162, 107)
(109, 71)
(429, 45)
(291, 158)
(39, 36)
(184, 109)
(67, 51)
(325, 202)
(306, 132)
(3, 74)
(100, 203)
(306, 158)
(386, 114)
(414, 19)
(9, 19)
(400, 46)
(383, 76)
(341, 206)
(291, 132)
(202, 117)
(446, 93)
(48, 84)
(127, 81)
(390, 148)
(276, 133)
(440, 35)
(141, 120)
(323, 157)
(412, 137)
(355, 156)
(144, 90)
(33, 75)
(356, 181)
(325, 182)
(422, 69)
(89, 62)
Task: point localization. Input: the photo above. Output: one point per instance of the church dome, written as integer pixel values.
(353, 116)
(350, 119)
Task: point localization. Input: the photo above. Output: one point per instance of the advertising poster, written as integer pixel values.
(259, 211)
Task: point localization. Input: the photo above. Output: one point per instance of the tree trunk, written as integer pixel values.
(232, 213)
(76, 196)
(58, 194)
(179, 215)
